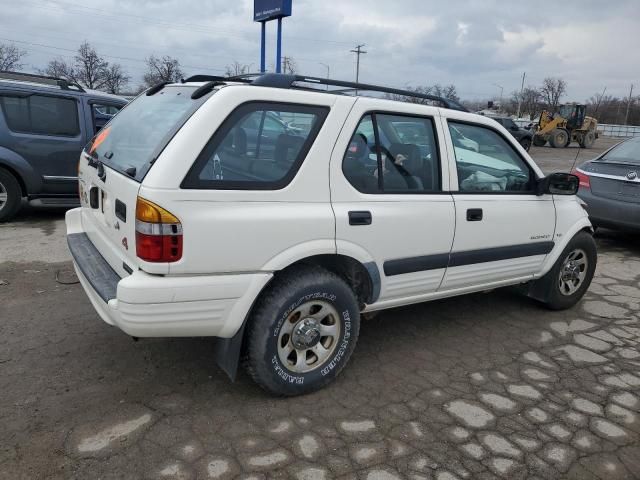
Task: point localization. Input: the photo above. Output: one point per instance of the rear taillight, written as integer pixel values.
(584, 179)
(158, 233)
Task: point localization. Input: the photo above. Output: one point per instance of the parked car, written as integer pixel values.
(522, 135)
(44, 124)
(610, 186)
(279, 252)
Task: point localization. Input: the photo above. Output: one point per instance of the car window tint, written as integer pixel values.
(626, 152)
(257, 146)
(402, 158)
(42, 115)
(486, 162)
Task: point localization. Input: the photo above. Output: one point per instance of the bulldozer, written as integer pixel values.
(568, 124)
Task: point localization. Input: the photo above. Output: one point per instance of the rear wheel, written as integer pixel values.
(559, 138)
(570, 277)
(10, 196)
(539, 141)
(526, 143)
(302, 331)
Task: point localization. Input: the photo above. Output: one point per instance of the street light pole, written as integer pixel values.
(328, 70)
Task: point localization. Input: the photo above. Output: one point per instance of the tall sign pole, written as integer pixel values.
(263, 38)
(263, 12)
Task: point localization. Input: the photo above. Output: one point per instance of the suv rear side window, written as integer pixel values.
(260, 146)
(41, 115)
(393, 154)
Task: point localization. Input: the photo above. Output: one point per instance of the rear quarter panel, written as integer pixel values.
(248, 230)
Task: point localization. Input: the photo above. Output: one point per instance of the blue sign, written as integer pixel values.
(265, 10)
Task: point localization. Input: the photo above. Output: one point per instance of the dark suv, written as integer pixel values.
(524, 136)
(44, 124)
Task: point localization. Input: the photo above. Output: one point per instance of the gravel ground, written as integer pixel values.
(483, 386)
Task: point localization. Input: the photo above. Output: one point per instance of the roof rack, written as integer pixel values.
(215, 78)
(277, 80)
(64, 84)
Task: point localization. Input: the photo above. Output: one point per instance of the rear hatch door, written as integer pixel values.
(114, 164)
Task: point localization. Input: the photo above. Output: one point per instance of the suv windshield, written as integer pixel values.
(626, 152)
(138, 134)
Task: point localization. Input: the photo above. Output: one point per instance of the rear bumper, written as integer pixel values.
(145, 305)
(608, 213)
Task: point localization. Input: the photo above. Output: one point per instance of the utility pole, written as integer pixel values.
(501, 90)
(520, 96)
(626, 117)
(328, 71)
(358, 51)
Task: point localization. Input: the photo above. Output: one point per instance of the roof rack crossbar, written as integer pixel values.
(288, 81)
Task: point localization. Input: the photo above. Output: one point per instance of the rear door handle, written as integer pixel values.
(474, 215)
(360, 218)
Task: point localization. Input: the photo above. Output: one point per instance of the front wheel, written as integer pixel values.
(526, 143)
(570, 277)
(302, 331)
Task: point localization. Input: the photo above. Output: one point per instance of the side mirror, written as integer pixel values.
(559, 184)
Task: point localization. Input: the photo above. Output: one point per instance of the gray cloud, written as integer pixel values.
(472, 43)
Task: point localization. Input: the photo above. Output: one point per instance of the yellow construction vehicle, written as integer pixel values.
(568, 124)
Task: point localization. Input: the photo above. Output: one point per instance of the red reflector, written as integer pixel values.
(159, 248)
(585, 182)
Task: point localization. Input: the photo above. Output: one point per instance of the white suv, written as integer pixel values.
(273, 215)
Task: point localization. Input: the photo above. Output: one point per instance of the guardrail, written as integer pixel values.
(604, 129)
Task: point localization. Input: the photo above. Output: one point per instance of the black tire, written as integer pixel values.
(539, 141)
(9, 186)
(588, 140)
(559, 138)
(554, 299)
(279, 304)
(526, 143)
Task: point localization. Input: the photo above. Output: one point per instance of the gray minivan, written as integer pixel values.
(44, 124)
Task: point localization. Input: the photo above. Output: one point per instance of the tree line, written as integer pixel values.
(91, 70)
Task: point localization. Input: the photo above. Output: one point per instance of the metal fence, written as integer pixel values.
(604, 129)
(609, 130)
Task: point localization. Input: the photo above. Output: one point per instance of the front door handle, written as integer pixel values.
(474, 215)
(360, 218)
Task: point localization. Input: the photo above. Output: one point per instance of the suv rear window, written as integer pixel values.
(260, 146)
(139, 133)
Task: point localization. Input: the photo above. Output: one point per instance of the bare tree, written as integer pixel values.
(10, 57)
(289, 66)
(60, 69)
(116, 79)
(236, 68)
(165, 69)
(530, 101)
(90, 69)
(552, 90)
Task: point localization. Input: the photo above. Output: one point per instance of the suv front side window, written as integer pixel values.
(254, 150)
(495, 167)
(390, 153)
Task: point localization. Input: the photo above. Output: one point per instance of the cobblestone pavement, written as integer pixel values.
(484, 386)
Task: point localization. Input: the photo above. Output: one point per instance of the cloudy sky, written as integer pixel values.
(474, 44)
